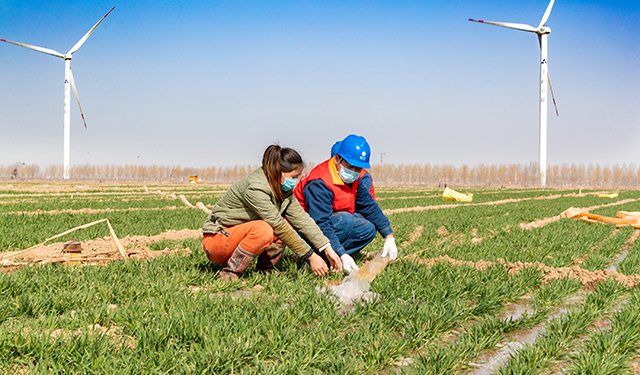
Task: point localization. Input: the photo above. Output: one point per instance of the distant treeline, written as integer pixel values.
(626, 175)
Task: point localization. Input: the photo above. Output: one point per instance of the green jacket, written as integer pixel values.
(251, 198)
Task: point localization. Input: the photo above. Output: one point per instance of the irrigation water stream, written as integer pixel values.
(614, 265)
(619, 259)
(489, 361)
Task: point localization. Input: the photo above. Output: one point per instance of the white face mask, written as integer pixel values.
(347, 175)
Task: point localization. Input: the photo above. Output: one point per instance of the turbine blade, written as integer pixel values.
(551, 89)
(39, 49)
(546, 14)
(75, 91)
(84, 38)
(517, 26)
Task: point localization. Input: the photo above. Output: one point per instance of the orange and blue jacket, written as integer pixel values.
(321, 192)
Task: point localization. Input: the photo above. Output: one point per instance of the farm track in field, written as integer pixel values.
(109, 193)
(93, 210)
(391, 191)
(489, 191)
(408, 197)
(75, 198)
(443, 206)
(502, 201)
(514, 191)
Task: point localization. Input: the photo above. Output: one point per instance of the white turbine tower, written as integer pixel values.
(68, 79)
(542, 32)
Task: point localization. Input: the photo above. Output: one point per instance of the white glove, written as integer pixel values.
(348, 264)
(390, 249)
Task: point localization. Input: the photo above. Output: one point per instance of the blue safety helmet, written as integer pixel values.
(355, 150)
(334, 148)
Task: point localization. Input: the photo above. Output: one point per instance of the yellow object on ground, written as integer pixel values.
(622, 218)
(611, 195)
(453, 196)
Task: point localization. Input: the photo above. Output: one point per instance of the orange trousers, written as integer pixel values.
(253, 236)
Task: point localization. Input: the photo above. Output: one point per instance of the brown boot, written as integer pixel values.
(270, 257)
(237, 264)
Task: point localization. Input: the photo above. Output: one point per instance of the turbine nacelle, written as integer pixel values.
(544, 30)
(68, 56)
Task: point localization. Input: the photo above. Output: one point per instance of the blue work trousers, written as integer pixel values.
(353, 231)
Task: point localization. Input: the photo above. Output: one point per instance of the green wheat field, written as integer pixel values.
(456, 301)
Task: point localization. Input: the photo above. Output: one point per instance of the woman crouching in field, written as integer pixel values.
(254, 218)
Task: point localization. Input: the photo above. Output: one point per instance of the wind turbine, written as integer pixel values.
(68, 79)
(542, 32)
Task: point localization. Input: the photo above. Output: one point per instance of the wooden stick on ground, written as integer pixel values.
(113, 236)
(54, 237)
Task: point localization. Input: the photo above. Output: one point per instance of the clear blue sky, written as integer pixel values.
(202, 83)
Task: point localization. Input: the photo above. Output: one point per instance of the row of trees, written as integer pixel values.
(126, 172)
(416, 174)
(509, 174)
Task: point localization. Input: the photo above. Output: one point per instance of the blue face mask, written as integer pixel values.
(347, 175)
(289, 184)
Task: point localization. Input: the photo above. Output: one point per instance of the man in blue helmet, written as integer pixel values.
(365, 176)
(343, 208)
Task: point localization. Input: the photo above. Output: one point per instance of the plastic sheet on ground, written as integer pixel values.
(354, 289)
(453, 196)
(622, 218)
(607, 195)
